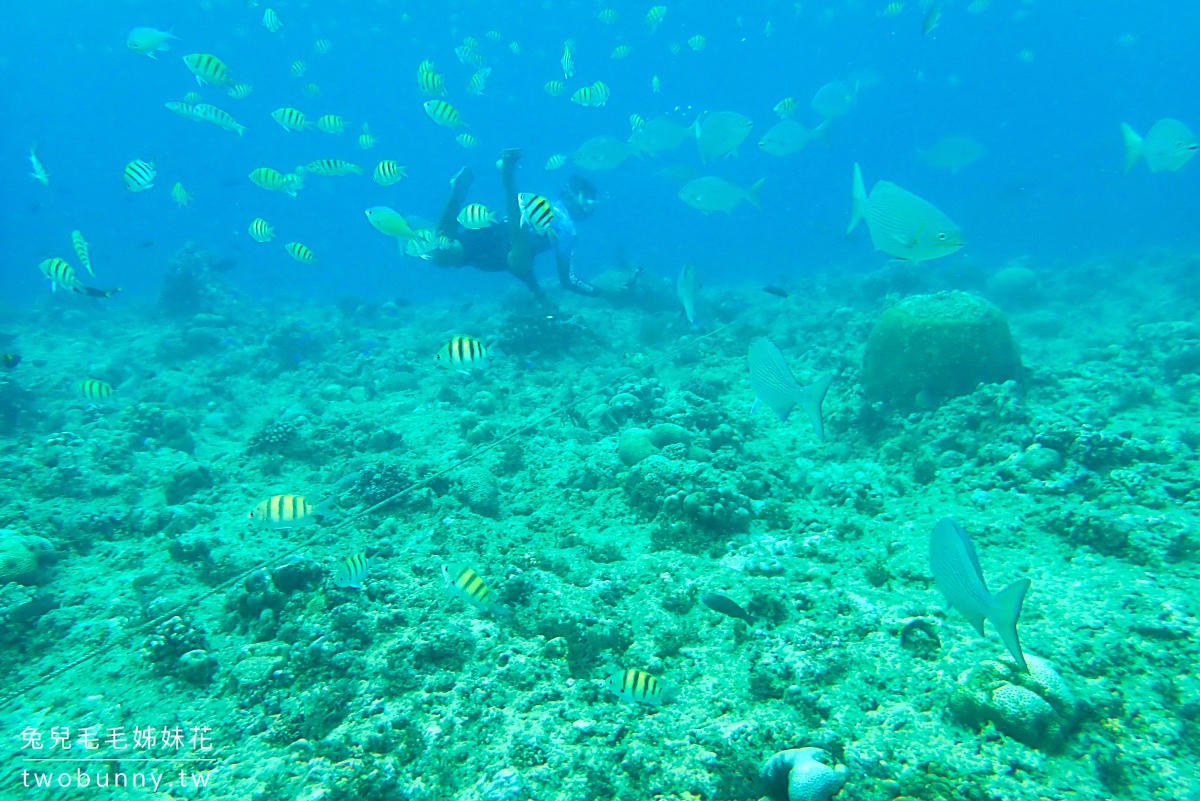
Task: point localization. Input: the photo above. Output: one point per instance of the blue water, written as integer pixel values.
(1051, 185)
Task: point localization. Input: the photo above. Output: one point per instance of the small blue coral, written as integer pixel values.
(803, 774)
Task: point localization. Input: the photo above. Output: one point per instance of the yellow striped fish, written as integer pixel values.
(240, 91)
(429, 80)
(465, 583)
(332, 167)
(640, 686)
(192, 97)
(468, 55)
(139, 175)
(556, 161)
(568, 61)
(893, 9)
(654, 17)
(271, 21)
(300, 253)
(555, 88)
(365, 140)
(593, 96)
(514, 48)
(218, 117)
(537, 213)
(476, 216)
(786, 107)
(331, 123)
(675, 48)
(208, 69)
(261, 230)
(620, 51)
(95, 389)
(291, 119)
(655, 84)
(478, 81)
(298, 69)
(284, 511)
(636, 121)
(608, 16)
(270, 179)
(494, 36)
(463, 352)
(352, 571)
(466, 140)
(443, 113)
(180, 195)
(322, 47)
(312, 90)
(388, 172)
(697, 42)
(60, 273)
(185, 110)
(81, 250)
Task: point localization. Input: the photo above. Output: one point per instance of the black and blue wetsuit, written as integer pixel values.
(488, 248)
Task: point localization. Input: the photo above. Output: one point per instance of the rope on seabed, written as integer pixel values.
(146, 628)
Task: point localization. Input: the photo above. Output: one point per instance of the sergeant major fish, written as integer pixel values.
(463, 582)
(640, 686)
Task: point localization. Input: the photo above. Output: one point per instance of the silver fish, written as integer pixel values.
(1169, 144)
(601, 153)
(774, 385)
(685, 290)
(957, 573)
(902, 224)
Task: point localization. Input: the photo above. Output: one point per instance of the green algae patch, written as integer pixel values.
(931, 347)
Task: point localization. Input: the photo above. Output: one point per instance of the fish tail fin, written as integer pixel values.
(1006, 608)
(752, 194)
(1133, 147)
(858, 198)
(810, 400)
(670, 694)
(822, 132)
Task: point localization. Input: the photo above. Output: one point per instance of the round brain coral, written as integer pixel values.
(477, 490)
(16, 560)
(634, 446)
(1035, 708)
(928, 348)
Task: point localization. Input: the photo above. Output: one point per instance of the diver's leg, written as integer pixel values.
(460, 185)
(520, 254)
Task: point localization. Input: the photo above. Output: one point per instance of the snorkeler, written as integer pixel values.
(508, 245)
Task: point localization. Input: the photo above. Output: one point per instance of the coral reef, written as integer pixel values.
(1035, 708)
(803, 774)
(927, 348)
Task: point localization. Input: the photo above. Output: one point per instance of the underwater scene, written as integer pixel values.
(586, 399)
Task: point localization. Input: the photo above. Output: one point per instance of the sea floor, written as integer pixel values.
(602, 474)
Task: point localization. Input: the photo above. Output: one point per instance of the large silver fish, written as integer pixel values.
(902, 224)
(1169, 144)
(685, 290)
(774, 385)
(958, 575)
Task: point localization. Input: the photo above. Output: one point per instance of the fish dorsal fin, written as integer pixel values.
(969, 549)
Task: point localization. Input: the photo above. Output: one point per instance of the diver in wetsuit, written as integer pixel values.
(508, 245)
